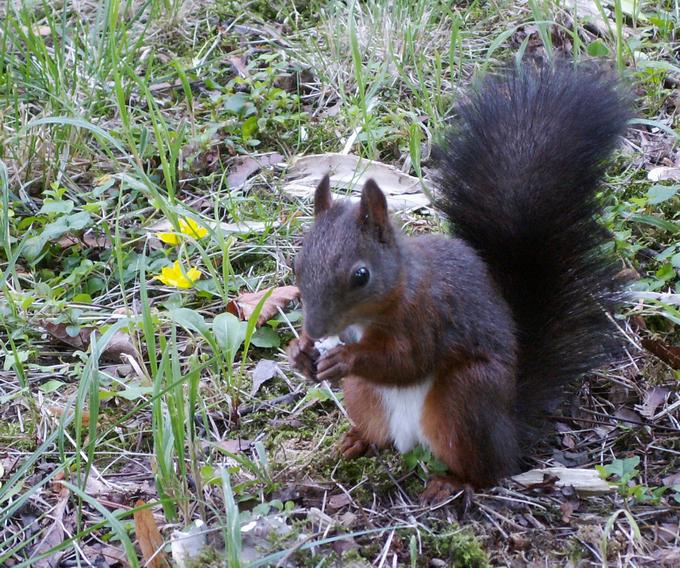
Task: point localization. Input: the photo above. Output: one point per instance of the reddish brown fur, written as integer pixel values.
(454, 422)
(366, 411)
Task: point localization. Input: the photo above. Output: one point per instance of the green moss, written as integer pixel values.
(460, 549)
(20, 436)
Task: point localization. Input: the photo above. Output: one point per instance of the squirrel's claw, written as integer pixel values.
(303, 356)
(441, 488)
(334, 364)
(353, 445)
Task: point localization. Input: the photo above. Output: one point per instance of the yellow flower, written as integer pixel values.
(174, 276)
(192, 228)
(169, 238)
(187, 227)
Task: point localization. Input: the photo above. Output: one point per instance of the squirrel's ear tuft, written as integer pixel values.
(322, 196)
(373, 211)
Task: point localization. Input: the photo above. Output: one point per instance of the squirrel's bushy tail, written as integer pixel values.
(518, 176)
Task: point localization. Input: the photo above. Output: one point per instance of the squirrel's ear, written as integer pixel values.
(322, 196)
(373, 210)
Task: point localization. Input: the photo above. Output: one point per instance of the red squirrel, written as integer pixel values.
(463, 343)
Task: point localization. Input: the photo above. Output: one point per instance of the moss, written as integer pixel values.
(19, 436)
(460, 549)
(209, 558)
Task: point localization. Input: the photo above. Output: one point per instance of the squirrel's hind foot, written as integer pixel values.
(353, 445)
(440, 488)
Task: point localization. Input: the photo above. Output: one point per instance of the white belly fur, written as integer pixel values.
(403, 406)
(403, 409)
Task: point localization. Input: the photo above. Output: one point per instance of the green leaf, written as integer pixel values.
(597, 48)
(666, 272)
(190, 320)
(10, 359)
(229, 333)
(266, 338)
(675, 260)
(51, 386)
(134, 392)
(249, 128)
(51, 207)
(660, 193)
(662, 224)
(236, 103)
(60, 226)
(623, 467)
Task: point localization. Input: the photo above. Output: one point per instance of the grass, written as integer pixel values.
(118, 115)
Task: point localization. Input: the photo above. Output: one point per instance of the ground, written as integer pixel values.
(134, 398)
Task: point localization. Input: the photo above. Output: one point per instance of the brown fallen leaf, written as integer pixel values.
(669, 354)
(234, 446)
(403, 192)
(105, 555)
(570, 504)
(58, 412)
(337, 502)
(242, 167)
(671, 480)
(264, 370)
(239, 66)
(628, 418)
(55, 532)
(119, 343)
(149, 537)
(89, 239)
(244, 306)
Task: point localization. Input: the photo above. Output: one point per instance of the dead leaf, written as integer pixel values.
(89, 239)
(654, 397)
(587, 10)
(234, 446)
(39, 30)
(239, 66)
(100, 554)
(628, 418)
(570, 504)
(518, 542)
(80, 341)
(54, 534)
(569, 442)
(242, 167)
(58, 412)
(663, 174)
(669, 354)
(244, 306)
(337, 502)
(585, 481)
(667, 557)
(351, 172)
(344, 545)
(264, 370)
(671, 480)
(244, 227)
(188, 544)
(120, 343)
(149, 537)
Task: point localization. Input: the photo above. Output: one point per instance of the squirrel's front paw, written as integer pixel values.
(303, 356)
(334, 364)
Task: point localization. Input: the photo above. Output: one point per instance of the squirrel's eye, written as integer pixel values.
(360, 277)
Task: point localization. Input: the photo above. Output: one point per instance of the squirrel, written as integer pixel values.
(464, 342)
